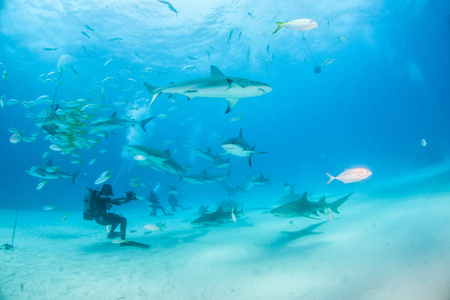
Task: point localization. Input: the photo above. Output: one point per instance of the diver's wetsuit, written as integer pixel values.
(102, 217)
(173, 201)
(154, 204)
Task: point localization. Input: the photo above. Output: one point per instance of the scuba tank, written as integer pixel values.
(89, 204)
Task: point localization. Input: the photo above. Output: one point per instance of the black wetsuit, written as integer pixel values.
(173, 201)
(154, 204)
(103, 217)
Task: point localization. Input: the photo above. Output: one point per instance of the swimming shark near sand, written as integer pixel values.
(239, 147)
(215, 86)
(254, 180)
(218, 216)
(304, 208)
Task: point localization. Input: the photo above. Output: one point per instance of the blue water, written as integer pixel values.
(386, 90)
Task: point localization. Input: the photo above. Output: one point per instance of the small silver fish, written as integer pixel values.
(15, 138)
(88, 28)
(85, 34)
(65, 217)
(40, 186)
(229, 36)
(351, 175)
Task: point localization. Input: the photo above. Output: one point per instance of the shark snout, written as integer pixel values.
(265, 89)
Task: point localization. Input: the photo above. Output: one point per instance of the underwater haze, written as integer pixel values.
(152, 96)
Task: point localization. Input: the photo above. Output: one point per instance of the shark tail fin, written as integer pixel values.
(74, 175)
(331, 178)
(144, 122)
(152, 90)
(335, 205)
(280, 25)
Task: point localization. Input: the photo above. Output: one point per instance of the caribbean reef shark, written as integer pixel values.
(204, 177)
(305, 208)
(215, 86)
(239, 147)
(108, 124)
(217, 217)
(50, 172)
(158, 160)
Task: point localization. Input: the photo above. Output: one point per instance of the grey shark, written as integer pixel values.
(218, 161)
(254, 180)
(239, 147)
(108, 124)
(304, 208)
(206, 154)
(217, 217)
(204, 178)
(215, 86)
(49, 172)
(158, 160)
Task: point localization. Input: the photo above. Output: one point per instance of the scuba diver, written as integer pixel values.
(96, 206)
(155, 204)
(173, 202)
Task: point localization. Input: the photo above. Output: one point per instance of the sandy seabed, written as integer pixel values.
(375, 249)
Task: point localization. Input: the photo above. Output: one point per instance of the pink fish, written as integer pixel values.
(350, 175)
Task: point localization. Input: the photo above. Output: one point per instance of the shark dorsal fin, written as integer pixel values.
(216, 72)
(114, 115)
(322, 200)
(204, 172)
(209, 150)
(220, 209)
(304, 196)
(167, 152)
(49, 163)
(240, 133)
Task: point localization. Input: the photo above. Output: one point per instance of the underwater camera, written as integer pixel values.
(130, 195)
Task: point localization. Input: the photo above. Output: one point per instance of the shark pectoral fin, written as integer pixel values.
(153, 98)
(232, 83)
(231, 103)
